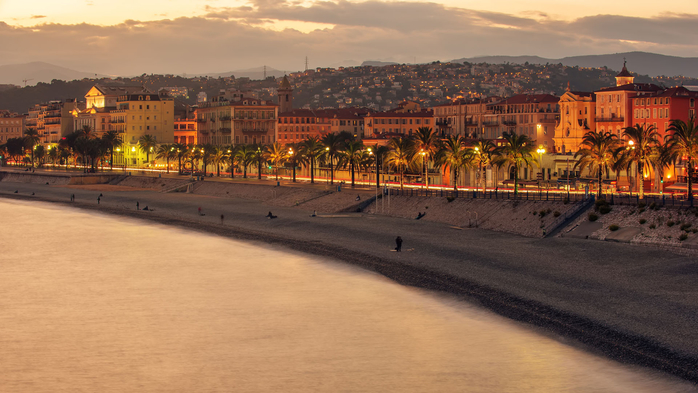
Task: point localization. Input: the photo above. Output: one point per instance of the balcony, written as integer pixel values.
(490, 123)
(509, 123)
(609, 119)
(225, 130)
(117, 121)
(254, 130)
(201, 120)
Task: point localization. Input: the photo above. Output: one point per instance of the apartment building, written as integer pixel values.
(11, 125)
(249, 120)
(52, 120)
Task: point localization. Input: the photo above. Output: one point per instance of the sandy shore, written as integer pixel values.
(631, 303)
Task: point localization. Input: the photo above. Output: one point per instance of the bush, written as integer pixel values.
(685, 226)
(683, 236)
(600, 202)
(642, 221)
(694, 230)
(566, 200)
(653, 206)
(642, 210)
(548, 211)
(542, 213)
(605, 209)
(652, 226)
(450, 199)
(614, 227)
(641, 205)
(670, 223)
(556, 213)
(593, 217)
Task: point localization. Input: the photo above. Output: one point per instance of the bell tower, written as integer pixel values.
(624, 77)
(285, 92)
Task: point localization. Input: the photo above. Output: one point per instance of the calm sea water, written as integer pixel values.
(92, 303)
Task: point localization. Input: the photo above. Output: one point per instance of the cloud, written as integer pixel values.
(237, 38)
(38, 16)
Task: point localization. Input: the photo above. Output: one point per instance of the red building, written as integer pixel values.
(659, 108)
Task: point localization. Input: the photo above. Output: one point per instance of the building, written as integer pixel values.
(285, 94)
(52, 120)
(402, 121)
(299, 124)
(250, 120)
(535, 115)
(137, 115)
(11, 125)
(577, 117)
(658, 108)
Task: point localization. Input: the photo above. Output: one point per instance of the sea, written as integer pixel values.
(98, 303)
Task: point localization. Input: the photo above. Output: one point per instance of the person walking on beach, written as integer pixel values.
(222, 219)
(98, 199)
(398, 244)
(200, 211)
(138, 206)
(72, 197)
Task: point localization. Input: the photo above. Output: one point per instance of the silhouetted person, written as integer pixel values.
(270, 216)
(398, 244)
(358, 197)
(222, 218)
(138, 206)
(146, 208)
(98, 199)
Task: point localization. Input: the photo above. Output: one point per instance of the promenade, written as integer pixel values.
(632, 303)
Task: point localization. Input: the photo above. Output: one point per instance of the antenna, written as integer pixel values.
(27, 80)
(265, 72)
(306, 63)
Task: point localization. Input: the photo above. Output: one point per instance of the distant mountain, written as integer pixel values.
(643, 63)
(36, 72)
(377, 63)
(252, 73)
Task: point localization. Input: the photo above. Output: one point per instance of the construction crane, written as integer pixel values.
(27, 80)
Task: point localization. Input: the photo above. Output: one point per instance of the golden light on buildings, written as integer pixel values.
(133, 149)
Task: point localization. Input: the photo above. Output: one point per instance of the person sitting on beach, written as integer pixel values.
(270, 216)
(420, 215)
(358, 197)
(314, 213)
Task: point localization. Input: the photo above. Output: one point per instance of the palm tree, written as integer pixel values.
(401, 156)
(180, 150)
(295, 157)
(352, 155)
(86, 131)
(53, 154)
(427, 144)
(683, 143)
(111, 141)
(40, 154)
(483, 152)
(597, 154)
(166, 152)
(661, 158)
(332, 143)
(208, 152)
(516, 152)
(219, 156)
(277, 154)
(454, 156)
(245, 155)
(379, 154)
(258, 156)
(147, 144)
(231, 154)
(639, 151)
(31, 139)
(312, 149)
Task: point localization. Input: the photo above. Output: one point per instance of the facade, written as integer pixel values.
(137, 115)
(285, 93)
(52, 120)
(300, 124)
(535, 115)
(250, 120)
(402, 121)
(185, 131)
(97, 119)
(658, 108)
(577, 117)
(11, 126)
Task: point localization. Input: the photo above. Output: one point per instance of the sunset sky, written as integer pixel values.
(195, 36)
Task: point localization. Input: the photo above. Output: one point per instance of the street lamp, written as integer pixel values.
(423, 153)
(631, 146)
(293, 162)
(540, 152)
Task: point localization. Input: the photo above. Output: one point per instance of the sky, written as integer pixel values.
(131, 37)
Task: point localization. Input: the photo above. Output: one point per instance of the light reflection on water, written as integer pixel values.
(97, 303)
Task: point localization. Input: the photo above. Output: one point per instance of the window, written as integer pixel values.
(155, 128)
(654, 112)
(692, 103)
(147, 107)
(140, 106)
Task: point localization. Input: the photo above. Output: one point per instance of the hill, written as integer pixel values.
(38, 71)
(651, 64)
(252, 73)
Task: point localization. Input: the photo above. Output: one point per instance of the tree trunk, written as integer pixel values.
(600, 187)
(244, 172)
(111, 163)
(641, 182)
(294, 170)
(516, 180)
(312, 171)
(331, 171)
(378, 174)
(402, 174)
(259, 169)
(690, 182)
(232, 169)
(179, 158)
(455, 179)
(352, 175)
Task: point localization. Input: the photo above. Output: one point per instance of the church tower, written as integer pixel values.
(624, 78)
(285, 96)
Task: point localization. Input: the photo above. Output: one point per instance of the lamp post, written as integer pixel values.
(540, 152)
(293, 162)
(327, 181)
(631, 146)
(424, 154)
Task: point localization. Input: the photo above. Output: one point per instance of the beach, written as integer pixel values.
(634, 304)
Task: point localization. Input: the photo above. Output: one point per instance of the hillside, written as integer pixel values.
(38, 71)
(651, 64)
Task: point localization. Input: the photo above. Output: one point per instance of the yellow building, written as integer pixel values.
(246, 121)
(577, 117)
(137, 115)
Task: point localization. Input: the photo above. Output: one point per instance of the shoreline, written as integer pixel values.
(609, 341)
